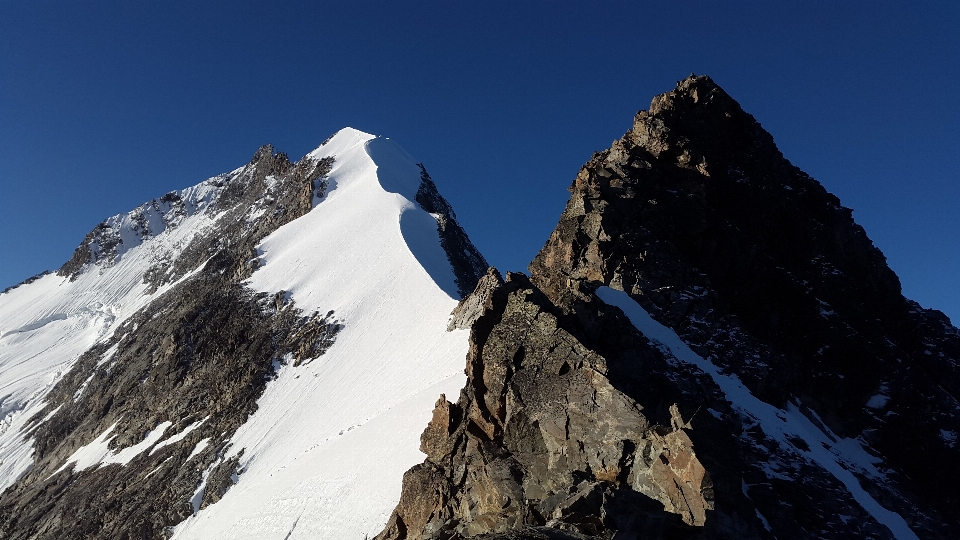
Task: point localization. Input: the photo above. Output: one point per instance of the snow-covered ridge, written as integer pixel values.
(46, 324)
(115, 236)
(325, 453)
(336, 433)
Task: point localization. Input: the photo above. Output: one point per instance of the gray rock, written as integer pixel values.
(540, 444)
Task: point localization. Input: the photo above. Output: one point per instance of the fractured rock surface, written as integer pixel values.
(542, 441)
(698, 217)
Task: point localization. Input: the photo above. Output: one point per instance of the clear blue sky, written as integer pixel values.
(105, 105)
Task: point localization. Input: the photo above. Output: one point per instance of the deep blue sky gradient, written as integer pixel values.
(105, 105)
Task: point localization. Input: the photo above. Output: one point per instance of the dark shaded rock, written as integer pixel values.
(219, 481)
(697, 215)
(542, 444)
(467, 262)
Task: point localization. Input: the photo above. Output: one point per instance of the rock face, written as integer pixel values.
(541, 440)
(467, 262)
(789, 312)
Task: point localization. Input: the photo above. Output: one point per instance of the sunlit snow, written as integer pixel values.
(324, 455)
(46, 325)
(97, 452)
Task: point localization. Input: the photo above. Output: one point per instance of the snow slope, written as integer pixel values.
(324, 455)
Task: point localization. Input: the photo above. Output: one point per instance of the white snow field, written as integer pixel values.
(836, 455)
(324, 455)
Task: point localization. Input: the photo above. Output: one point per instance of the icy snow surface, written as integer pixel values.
(97, 452)
(324, 455)
(836, 455)
(179, 436)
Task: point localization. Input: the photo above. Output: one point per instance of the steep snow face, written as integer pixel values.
(325, 453)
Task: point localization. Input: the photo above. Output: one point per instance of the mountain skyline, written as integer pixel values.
(256, 356)
(502, 105)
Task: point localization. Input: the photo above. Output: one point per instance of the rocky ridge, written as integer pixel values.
(766, 277)
(467, 262)
(698, 216)
(544, 441)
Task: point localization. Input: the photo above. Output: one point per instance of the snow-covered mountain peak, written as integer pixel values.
(394, 169)
(154, 345)
(340, 141)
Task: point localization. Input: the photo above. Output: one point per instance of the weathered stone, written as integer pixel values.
(699, 217)
(571, 423)
(473, 305)
(540, 438)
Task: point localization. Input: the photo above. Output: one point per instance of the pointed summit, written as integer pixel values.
(708, 347)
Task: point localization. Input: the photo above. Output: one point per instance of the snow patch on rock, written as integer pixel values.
(836, 455)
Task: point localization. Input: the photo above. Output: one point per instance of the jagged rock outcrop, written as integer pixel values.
(792, 318)
(698, 216)
(542, 442)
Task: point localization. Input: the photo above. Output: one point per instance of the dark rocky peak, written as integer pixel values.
(781, 387)
(697, 215)
(700, 206)
(272, 162)
(698, 110)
